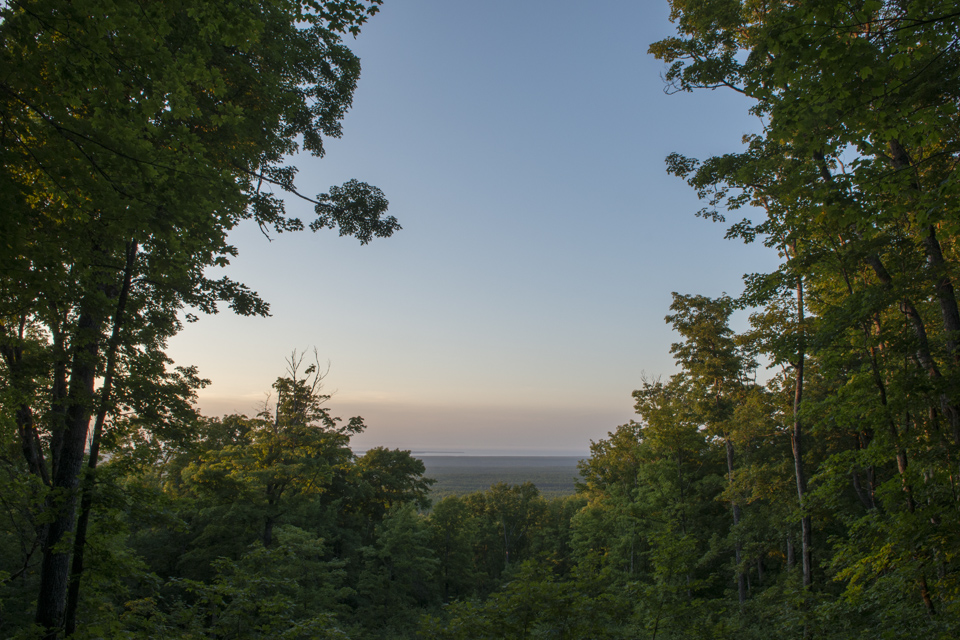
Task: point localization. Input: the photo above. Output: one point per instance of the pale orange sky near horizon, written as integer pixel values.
(480, 430)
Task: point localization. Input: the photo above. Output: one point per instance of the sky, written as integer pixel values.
(521, 145)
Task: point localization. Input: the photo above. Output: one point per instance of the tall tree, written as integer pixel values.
(856, 172)
(135, 137)
(718, 373)
(763, 177)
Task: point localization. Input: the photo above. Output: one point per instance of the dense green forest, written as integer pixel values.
(814, 495)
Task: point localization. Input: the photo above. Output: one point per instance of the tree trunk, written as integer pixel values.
(796, 440)
(942, 284)
(944, 290)
(11, 349)
(88, 487)
(951, 319)
(268, 532)
(61, 503)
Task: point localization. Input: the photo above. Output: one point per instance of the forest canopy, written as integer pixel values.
(817, 500)
(134, 138)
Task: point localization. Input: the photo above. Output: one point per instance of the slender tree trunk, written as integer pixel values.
(796, 440)
(61, 503)
(924, 355)
(11, 349)
(945, 292)
(951, 320)
(268, 531)
(911, 507)
(902, 462)
(30, 443)
(865, 499)
(942, 284)
(88, 487)
(59, 399)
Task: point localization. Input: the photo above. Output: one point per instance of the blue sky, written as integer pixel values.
(521, 145)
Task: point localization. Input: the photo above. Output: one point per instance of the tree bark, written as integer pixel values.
(944, 290)
(942, 284)
(61, 503)
(796, 440)
(88, 487)
(11, 348)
